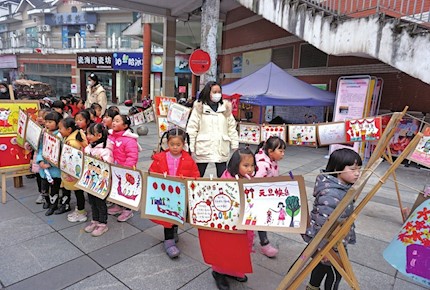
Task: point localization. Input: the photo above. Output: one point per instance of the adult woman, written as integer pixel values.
(95, 93)
(212, 129)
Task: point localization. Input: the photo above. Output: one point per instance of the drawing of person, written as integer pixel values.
(282, 212)
(87, 174)
(103, 182)
(95, 176)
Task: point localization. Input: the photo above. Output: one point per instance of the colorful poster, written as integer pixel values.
(71, 161)
(405, 132)
(273, 130)
(138, 119)
(22, 124)
(178, 115)
(421, 153)
(162, 105)
(302, 135)
(149, 114)
(249, 133)
(162, 125)
(95, 178)
(235, 102)
(368, 129)
(331, 133)
(164, 198)
(51, 149)
(276, 204)
(214, 204)
(9, 114)
(12, 155)
(409, 251)
(33, 133)
(126, 187)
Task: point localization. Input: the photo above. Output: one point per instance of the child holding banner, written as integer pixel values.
(174, 162)
(41, 198)
(267, 155)
(328, 192)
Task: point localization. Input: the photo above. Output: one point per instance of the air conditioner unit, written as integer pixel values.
(91, 27)
(44, 28)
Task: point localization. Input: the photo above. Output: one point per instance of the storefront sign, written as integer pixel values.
(200, 62)
(181, 63)
(70, 18)
(94, 60)
(8, 61)
(127, 61)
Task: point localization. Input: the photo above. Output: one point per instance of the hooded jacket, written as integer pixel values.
(125, 147)
(265, 166)
(212, 134)
(96, 94)
(68, 181)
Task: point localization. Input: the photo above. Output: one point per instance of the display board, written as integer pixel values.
(71, 161)
(273, 130)
(302, 135)
(126, 187)
(33, 133)
(249, 133)
(178, 115)
(9, 114)
(95, 178)
(51, 149)
(421, 153)
(368, 129)
(331, 133)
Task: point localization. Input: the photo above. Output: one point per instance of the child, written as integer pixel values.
(232, 249)
(51, 175)
(125, 153)
(58, 106)
(75, 137)
(98, 112)
(328, 192)
(108, 117)
(41, 121)
(100, 148)
(267, 155)
(83, 120)
(174, 162)
(76, 105)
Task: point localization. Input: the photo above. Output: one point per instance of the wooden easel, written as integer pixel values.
(17, 174)
(334, 231)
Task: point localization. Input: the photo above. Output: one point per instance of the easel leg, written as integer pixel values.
(3, 188)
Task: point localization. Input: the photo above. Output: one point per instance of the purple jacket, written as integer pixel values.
(125, 147)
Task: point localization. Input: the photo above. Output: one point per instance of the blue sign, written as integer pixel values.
(127, 61)
(76, 18)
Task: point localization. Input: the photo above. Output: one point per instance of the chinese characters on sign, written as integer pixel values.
(94, 60)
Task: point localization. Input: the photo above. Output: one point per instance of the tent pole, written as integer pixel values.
(326, 114)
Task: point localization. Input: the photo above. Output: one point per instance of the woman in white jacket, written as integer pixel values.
(212, 129)
(95, 93)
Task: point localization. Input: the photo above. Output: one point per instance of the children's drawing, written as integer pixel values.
(71, 161)
(9, 114)
(273, 130)
(405, 132)
(12, 155)
(302, 135)
(162, 105)
(274, 204)
(51, 149)
(138, 119)
(164, 198)
(95, 177)
(249, 133)
(149, 114)
(126, 188)
(421, 154)
(178, 115)
(409, 251)
(163, 125)
(368, 129)
(22, 124)
(214, 204)
(33, 133)
(331, 133)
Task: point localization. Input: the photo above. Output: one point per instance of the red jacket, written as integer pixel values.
(186, 168)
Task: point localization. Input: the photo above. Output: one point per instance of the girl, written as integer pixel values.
(98, 112)
(174, 162)
(328, 192)
(125, 153)
(108, 117)
(75, 137)
(41, 121)
(267, 155)
(238, 245)
(51, 175)
(83, 120)
(100, 148)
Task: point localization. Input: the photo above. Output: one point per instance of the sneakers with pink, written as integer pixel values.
(91, 227)
(269, 251)
(78, 216)
(115, 209)
(100, 230)
(125, 215)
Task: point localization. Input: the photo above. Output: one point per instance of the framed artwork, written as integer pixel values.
(95, 177)
(368, 129)
(331, 133)
(178, 115)
(164, 198)
(9, 114)
(127, 187)
(33, 132)
(409, 251)
(139, 119)
(274, 204)
(162, 105)
(149, 114)
(162, 125)
(12, 155)
(404, 133)
(71, 161)
(249, 133)
(302, 135)
(273, 130)
(214, 204)
(421, 153)
(51, 149)
(22, 124)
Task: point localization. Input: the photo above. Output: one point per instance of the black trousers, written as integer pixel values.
(332, 279)
(98, 208)
(51, 190)
(169, 233)
(263, 238)
(80, 198)
(39, 182)
(220, 168)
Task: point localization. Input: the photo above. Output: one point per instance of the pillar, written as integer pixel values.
(146, 68)
(169, 47)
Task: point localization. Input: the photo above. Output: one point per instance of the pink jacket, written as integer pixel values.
(265, 166)
(125, 147)
(99, 152)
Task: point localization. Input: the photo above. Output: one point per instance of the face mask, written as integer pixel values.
(216, 97)
(90, 83)
(3, 90)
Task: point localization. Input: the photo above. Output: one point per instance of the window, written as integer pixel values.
(74, 9)
(57, 75)
(31, 34)
(117, 28)
(311, 57)
(283, 57)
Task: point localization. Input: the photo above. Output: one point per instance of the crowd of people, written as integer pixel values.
(210, 137)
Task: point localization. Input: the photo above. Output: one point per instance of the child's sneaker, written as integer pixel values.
(100, 230)
(73, 212)
(269, 251)
(125, 215)
(171, 249)
(78, 217)
(115, 209)
(91, 227)
(40, 199)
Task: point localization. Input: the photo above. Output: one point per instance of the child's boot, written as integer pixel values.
(100, 230)
(310, 287)
(221, 281)
(171, 249)
(269, 251)
(46, 202)
(65, 205)
(53, 205)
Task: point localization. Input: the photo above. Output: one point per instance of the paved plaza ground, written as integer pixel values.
(39, 252)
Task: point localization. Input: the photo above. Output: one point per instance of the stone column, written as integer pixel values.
(169, 46)
(146, 67)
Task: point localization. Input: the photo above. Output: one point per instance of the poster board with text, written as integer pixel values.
(331, 133)
(178, 115)
(22, 125)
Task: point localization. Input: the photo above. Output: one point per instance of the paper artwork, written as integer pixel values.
(138, 119)
(178, 115)
(302, 135)
(273, 130)
(421, 153)
(33, 133)
(249, 133)
(162, 105)
(9, 114)
(71, 161)
(331, 133)
(95, 178)
(368, 129)
(51, 149)
(12, 155)
(126, 187)
(22, 124)
(149, 115)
